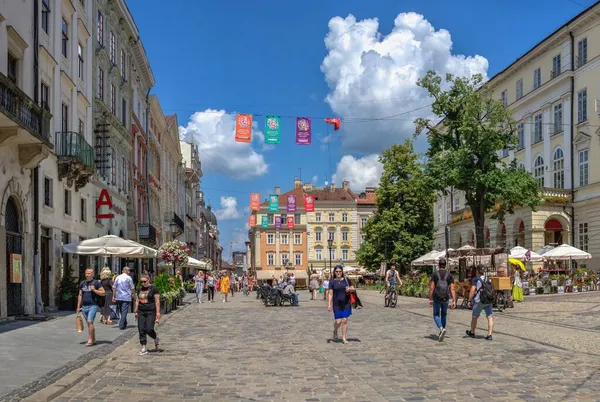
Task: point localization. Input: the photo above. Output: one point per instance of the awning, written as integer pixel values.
(266, 274)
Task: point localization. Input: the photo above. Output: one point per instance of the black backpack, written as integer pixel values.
(486, 292)
(441, 287)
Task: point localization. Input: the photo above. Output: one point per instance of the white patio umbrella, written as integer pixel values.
(194, 263)
(520, 253)
(422, 260)
(110, 245)
(567, 252)
(348, 269)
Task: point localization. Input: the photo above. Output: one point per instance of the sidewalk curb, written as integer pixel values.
(72, 378)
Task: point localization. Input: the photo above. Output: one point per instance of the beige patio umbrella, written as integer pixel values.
(110, 245)
(425, 259)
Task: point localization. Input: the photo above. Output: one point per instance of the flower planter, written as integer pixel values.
(163, 306)
(167, 307)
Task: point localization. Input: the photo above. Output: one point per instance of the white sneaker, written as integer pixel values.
(223, 301)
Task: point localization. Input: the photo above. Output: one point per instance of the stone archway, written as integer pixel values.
(519, 232)
(556, 230)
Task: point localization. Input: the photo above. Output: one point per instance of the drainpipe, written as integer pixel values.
(572, 138)
(35, 174)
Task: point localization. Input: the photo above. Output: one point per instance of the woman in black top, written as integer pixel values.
(147, 312)
(107, 284)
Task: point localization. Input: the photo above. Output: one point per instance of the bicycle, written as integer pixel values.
(391, 296)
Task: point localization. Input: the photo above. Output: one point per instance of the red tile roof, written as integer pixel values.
(370, 198)
(324, 194)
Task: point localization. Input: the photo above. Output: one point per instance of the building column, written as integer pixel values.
(567, 140)
(528, 130)
(548, 156)
(3, 268)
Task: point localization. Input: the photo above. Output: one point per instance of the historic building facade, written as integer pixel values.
(193, 197)
(172, 223)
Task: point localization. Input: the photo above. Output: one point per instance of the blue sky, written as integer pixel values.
(266, 57)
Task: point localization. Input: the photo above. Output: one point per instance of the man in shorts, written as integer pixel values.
(87, 302)
(478, 307)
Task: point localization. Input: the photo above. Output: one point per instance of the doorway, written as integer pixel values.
(14, 248)
(45, 266)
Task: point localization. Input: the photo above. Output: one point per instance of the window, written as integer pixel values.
(556, 65)
(317, 217)
(100, 28)
(331, 235)
(80, 61)
(124, 176)
(582, 106)
(298, 258)
(284, 258)
(270, 259)
(559, 168)
(12, 68)
(64, 118)
(47, 192)
(558, 118)
(537, 78)
(123, 65)
(520, 89)
(318, 254)
(456, 202)
(582, 52)
(113, 166)
(504, 97)
(363, 222)
(46, 16)
(83, 210)
(345, 254)
(439, 215)
(45, 96)
(583, 168)
(283, 219)
(331, 217)
(583, 236)
(270, 238)
(538, 170)
(505, 152)
(448, 211)
(318, 236)
(537, 129)
(124, 111)
(297, 238)
(81, 127)
(521, 136)
(67, 202)
(296, 219)
(111, 48)
(113, 100)
(284, 239)
(345, 235)
(101, 84)
(362, 238)
(344, 217)
(270, 217)
(65, 38)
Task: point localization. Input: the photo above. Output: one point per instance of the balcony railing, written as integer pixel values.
(178, 221)
(147, 232)
(22, 110)
(70, 144)
(556, 195)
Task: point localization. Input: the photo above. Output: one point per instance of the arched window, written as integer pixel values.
(538, 170)
(559, 168)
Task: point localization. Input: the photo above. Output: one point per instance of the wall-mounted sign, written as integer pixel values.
(15, 268)
(104, 200)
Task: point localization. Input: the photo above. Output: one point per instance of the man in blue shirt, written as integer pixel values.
(87, 302)
(122, 293)
(478, 306)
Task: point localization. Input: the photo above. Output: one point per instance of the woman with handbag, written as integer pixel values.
(340, 291)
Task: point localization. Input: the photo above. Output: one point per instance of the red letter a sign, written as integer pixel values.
(104, 199)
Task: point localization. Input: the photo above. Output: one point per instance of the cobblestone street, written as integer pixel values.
(243, 351)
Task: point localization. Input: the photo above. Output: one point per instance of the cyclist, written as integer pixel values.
(392, 277)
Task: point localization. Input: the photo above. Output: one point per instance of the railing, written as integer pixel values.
(556, 195)
(178, 221)
(147, 232)
(15, 103)
(72, 144)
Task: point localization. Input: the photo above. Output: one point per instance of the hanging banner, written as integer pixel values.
(291, 203)
(309, 203)
(272, 131)
(251, 220)
(278, 222)
(303, 131)
(264, 221)
(15, 268)
(273, 203)
(254, 201)
(290, 222)
(243, 128)
(337, 123)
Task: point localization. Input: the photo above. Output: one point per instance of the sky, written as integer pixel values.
(354, 59)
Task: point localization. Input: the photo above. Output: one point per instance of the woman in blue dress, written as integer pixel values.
(339, 301)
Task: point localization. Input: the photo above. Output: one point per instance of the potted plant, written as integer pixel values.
(68, 290)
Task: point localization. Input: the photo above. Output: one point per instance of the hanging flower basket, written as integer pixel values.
(175, 252)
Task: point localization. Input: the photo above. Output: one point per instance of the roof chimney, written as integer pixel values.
(346, 185)
(307, 186)
(277, 190)
(297, 183)
(332, 187)
(370, 190)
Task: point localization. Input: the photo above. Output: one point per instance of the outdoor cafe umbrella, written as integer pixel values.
(522, 254)
(423, 260)
(567, 252)
(110, 245)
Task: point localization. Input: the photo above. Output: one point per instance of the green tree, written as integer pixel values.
(402, 227)
(465, 149)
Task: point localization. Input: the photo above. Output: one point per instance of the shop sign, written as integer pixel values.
(104, 200)
(15, 268)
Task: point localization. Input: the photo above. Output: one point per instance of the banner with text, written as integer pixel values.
(264, 221)
(291, 203)
(290, 222)
(251, 220)
(254, 201)
(309, 203)
(243, 128)
(303, 131)
(273, 203)
(278, 222)
(272, 130)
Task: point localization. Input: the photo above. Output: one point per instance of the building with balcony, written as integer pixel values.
(25, 141)
(552, 92)
(193, 196)
(157, 129)
(172, 223)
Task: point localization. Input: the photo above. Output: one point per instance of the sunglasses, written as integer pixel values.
(144, 281)
(338, 272)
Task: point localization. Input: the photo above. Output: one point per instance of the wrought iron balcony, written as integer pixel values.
(75, 158)
(178, 221)
(147, 233)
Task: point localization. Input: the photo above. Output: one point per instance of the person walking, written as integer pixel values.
(314, 285)
(225, 287)
(232, 282)
(199, 285)
(517, 289)
(107, 284)
(87, 302)
(147, 313)
(122, 293)
(325, 287)
(339, 302)
(210, 287)
(441, 287)
(481, 299)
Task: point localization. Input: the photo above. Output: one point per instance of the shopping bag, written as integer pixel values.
(79, 322)
(321, 289)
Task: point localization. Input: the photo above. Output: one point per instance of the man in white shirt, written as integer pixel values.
(123, 289)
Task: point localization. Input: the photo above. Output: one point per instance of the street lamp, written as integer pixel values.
(330, 245)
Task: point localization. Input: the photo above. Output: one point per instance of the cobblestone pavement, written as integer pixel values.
(243, 351)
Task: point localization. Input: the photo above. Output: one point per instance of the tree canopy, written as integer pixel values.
(466, 148)
(401, 229)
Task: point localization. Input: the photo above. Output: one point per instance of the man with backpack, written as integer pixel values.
(481, 298)
(441, 287)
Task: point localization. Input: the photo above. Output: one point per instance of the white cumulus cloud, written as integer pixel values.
(214, 133)
(371, 75)
(228, 209)
(360, 172)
